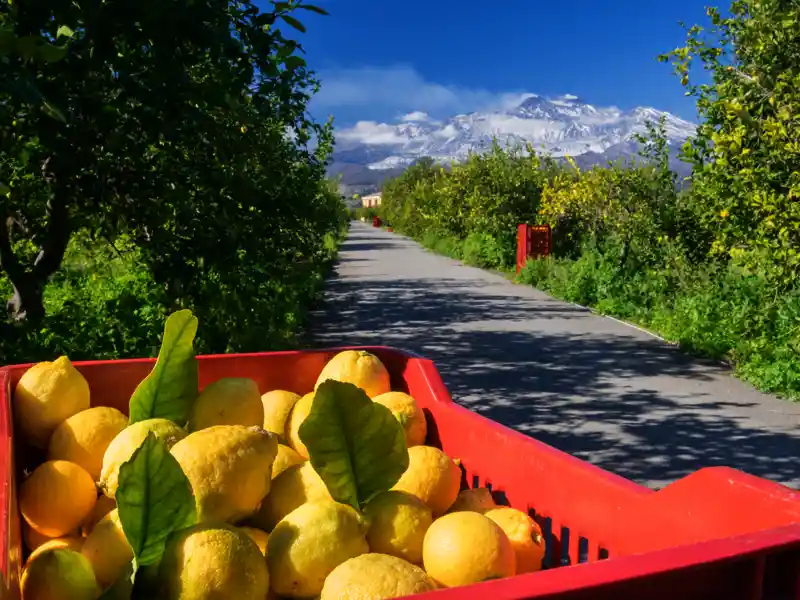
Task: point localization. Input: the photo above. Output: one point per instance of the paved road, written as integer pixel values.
(588, 385)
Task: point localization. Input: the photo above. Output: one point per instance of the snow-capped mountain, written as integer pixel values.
(558, 126)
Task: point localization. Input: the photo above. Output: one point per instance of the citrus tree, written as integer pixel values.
(746, 156)
(176, 128)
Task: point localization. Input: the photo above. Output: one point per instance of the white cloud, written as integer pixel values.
(370, 132)
(416, 115)
(401, 89)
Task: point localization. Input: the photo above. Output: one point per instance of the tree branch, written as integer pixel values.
(8, 260)
(55, 242)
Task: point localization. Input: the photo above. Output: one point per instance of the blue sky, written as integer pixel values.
(379, 59)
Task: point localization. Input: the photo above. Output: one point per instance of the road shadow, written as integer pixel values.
(634, 406)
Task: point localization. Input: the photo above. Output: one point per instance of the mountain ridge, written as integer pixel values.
(559, 126)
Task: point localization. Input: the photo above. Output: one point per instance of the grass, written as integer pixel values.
(103, 305)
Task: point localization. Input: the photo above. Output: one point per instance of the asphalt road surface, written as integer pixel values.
(589, 385)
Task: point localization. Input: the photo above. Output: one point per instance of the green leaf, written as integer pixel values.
(171, 387)
(52, 111)
(294, 23)
(316, 9)
(356, 445)
(294, 62)
(154, 498)
(4, 189)
(50, 53)
(64, 31)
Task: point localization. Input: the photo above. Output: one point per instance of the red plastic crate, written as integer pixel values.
(718, 533)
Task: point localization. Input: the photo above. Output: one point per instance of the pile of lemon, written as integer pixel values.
(267, 525)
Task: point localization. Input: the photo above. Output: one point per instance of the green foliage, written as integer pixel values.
(488, 195)
(168, 140)
(746, 181)
(170, 389)
(718, 312)
(356, 445)
(154, 498)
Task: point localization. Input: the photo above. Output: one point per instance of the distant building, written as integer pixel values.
(371, 201)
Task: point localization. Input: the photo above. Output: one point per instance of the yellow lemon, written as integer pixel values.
(360, 368)
(375, 577)
(227, 401)
(407, 411)
(57, 497)
(278, 405)
(59, 574)
(292, 433)
(524, 534)
(285, 458)
(292, 488)
(230, 469)
(398, 523)
(309, 543)
(259, 536)
(432, 476)
(125, 444)
(84, 437)
(71, 542)
(102, 507)
(46, 394)
(466, 547)
(211, 561)
(475, 499)
(107, 549)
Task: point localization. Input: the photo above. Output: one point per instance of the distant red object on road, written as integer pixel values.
(533, 241)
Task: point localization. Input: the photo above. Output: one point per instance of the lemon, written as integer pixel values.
(292, 488)
(57, 497)
(230, 469)
(59, 574)
(46, 394)
(227, 401)
(107, 549)
(72, 542)
(309, 543)
(212, 561)
(259, 536)
(278, 405)
(398, 523)
(407, 411)
(34, 539)
(432, 476)
(102, 507)
(296, 417)
(466, 547)
(84, 437)
(125, 444)
(285, 458)
(524, 534)
(360, 368)
(476, 499)
(375, 577)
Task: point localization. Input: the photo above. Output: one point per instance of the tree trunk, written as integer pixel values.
(27, 303)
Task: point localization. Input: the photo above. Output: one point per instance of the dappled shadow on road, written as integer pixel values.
(631, 405)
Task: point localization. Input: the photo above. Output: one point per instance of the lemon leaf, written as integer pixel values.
(171, 387)
(154, 498)
(356, 445)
